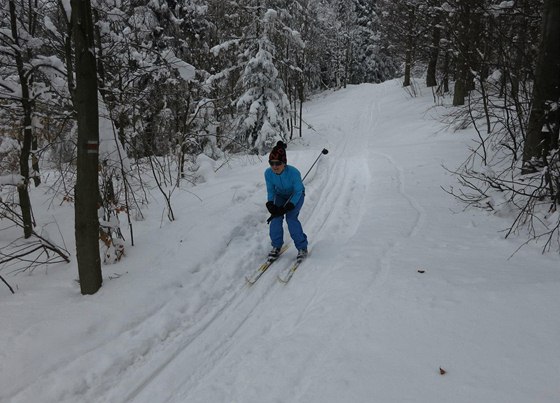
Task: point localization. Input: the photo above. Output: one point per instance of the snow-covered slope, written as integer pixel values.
(405, 297)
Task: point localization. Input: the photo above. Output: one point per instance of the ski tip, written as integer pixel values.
(282, 280)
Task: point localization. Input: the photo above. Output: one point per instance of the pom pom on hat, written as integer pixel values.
(278, 153)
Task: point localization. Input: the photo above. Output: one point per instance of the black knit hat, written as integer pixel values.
(278, 153)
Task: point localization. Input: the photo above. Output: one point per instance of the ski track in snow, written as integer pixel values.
(210, 348)
(369, 287)
(341, 185)
(356, 321)
(203, 343)
(145, 360)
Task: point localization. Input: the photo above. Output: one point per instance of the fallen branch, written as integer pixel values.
(9, 286)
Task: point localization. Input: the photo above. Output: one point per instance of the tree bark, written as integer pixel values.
(87, 181)
(546, 86)
(407, 68)
(462, 67)
(434, 53)
(446, 64)
(27, 133)
(410, 43)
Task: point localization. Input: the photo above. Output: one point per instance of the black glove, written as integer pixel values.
(272, 208)
(284, 209)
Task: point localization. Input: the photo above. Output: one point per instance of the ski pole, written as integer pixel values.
(323, 152)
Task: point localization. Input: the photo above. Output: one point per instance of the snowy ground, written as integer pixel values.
(176, 322)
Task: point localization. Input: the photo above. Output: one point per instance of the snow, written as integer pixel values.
(186, 71)
(505, 4)
(11, 179)
(67, 7)
(223, 46)
(270, 15)
(49, 25)
(406, 296)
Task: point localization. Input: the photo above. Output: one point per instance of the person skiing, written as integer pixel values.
(286, 195)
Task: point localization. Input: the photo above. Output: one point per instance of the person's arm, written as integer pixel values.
(269, 186)
(298, 186)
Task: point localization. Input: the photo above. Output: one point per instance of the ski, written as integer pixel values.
(291, 271)
(264, 267)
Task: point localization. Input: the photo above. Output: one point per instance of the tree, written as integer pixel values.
(467, 36)
(515, 74)
(87, 182)
(546, 92)
(371, 63)
(401, 31)
(19, 47)
(434, 14)
(248, 77)
(263, 107)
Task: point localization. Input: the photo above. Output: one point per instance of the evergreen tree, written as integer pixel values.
(263, 107)
(402, 31)
(249, 76)
(371, 62)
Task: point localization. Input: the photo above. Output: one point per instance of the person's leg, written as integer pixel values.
(294, 226)
(276, 231)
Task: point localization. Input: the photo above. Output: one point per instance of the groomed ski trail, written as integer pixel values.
(223, 358)
(401, 284)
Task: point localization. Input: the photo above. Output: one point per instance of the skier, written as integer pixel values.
(286, 194)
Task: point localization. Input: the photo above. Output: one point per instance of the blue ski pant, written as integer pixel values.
(294, 226)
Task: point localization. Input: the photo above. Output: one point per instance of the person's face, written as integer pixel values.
(277, 166)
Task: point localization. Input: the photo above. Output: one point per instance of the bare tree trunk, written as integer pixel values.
(434, 53)
(461, 86)
(27, 106)
(87, 181)
(546, 84)
(519, 60)
(410, 43)
(300, 116)
(446, 66)
(69, 63)
(407, 67)
(460, 89)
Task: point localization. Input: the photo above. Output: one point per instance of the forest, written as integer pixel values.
(107, 93)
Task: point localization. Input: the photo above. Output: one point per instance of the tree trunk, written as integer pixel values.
(434, 52)
(410, 43)
(462, 60)
(446, 64)
(546, 86)
(519, 60)
(475, 33)
(27, 133)
(460, 89)
(407, 67)
(87, 181)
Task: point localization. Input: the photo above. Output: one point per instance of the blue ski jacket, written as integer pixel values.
(287, 184)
